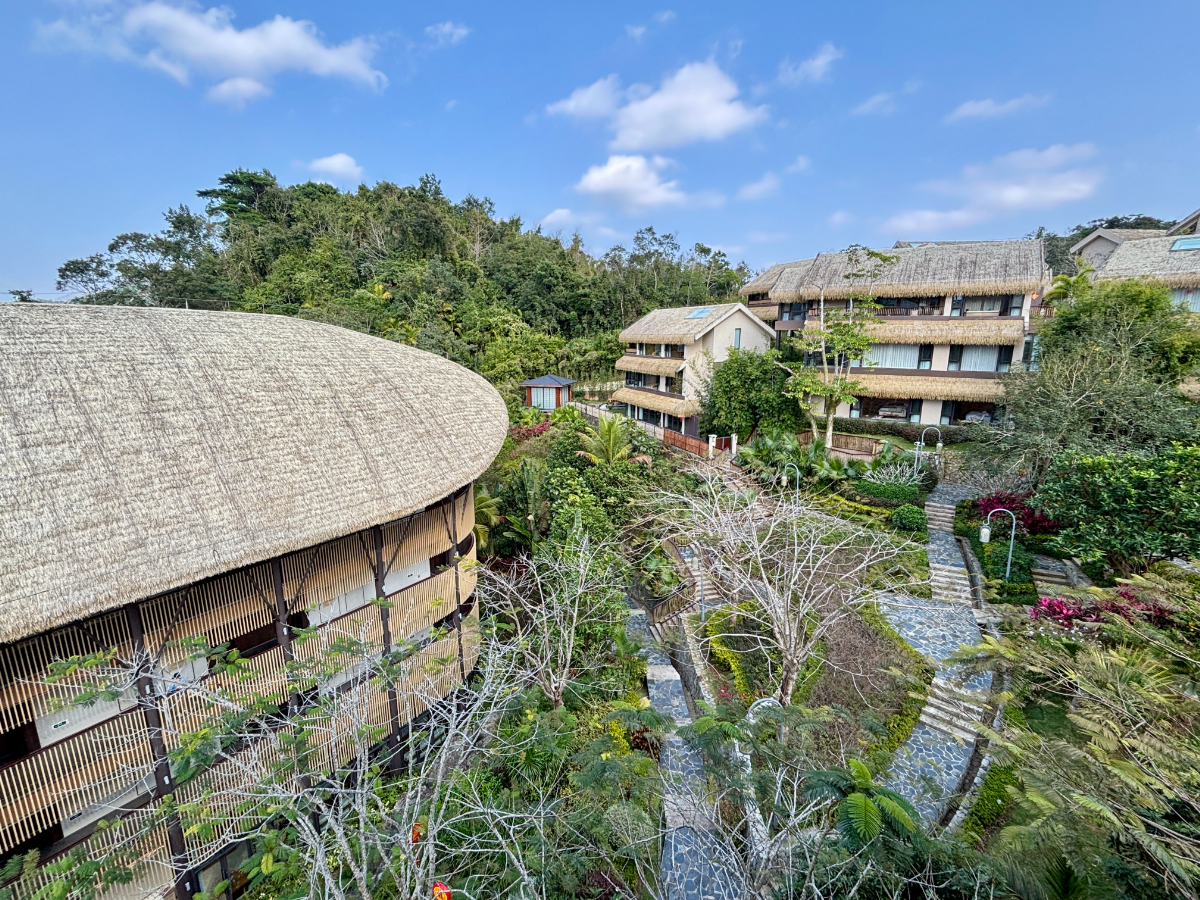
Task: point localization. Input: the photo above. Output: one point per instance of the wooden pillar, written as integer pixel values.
(283, 631)
(452, 534)
(148, 700)
(385, 619)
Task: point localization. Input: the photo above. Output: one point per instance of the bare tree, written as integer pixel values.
(787, 567)
(548, 602)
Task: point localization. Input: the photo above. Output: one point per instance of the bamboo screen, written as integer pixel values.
(317, 577)
(219, 609)
(24, 693)
(68, 777)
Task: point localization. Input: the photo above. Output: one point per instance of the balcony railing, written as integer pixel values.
(909, 311)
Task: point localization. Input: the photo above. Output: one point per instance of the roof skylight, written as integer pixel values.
(1186, 243)
(700, 313)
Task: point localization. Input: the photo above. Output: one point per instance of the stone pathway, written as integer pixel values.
(928, 768)
(694, 864)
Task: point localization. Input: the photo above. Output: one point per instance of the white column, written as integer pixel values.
(712, 446)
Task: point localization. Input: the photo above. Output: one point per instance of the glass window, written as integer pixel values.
(1004, 358)
(980, 358)
(947, 412)
(956, 305)
(914, 410)
(956, 355)
(543, 398)
(856, 408)
(925, 357)
(641, 349)
(737, 339)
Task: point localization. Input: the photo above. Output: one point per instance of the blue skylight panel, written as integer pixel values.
(1186, 243)
(700, 313)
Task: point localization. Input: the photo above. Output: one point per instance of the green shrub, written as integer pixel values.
(910, 518)
(993, 802)
(906, 493)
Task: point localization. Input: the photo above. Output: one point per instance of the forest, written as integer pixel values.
(407, 264)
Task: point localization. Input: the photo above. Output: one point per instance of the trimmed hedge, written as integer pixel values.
(905, 493)
(910, 518)
(951, 434)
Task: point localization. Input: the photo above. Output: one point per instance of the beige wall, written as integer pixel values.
(715, 344)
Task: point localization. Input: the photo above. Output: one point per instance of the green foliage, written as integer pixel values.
(866, 809)
(910, 518)
(992, 803)
(745, 394)
(1126, 509)
(951, 434)
(907, 493)
(573, 505)
(608, 442)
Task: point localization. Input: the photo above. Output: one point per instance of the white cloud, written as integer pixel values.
(188, 41)
(446, 34)
(596, 101)
(635, 31)
(632, 183)
(881, 104)
(237, 91)
(840, 218)
(697, 103)
(666, 17)
(1017, 181)
(801, 164)
(759, 190)
(990, 109)
(815, 68)
(450, 104)
(340, 166)
(559, 218)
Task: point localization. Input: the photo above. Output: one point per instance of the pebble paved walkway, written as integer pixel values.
(693, 865)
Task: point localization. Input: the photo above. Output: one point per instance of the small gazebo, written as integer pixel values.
(548, 392)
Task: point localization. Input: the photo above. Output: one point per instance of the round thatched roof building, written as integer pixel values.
(146, 449)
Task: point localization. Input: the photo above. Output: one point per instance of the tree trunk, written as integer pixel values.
(830, 409)
(787, 684)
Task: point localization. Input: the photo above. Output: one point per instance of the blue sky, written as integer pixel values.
(772, 131)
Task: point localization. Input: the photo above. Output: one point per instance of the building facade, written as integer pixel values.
(950, 320)
(670, 354)
(233, 478)
(547, 392)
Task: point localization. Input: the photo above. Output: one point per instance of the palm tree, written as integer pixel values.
(866, 809)
(608, 442)
(487, 517)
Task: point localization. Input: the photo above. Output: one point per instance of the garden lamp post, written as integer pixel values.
(985, 536)
(921, 444)
(785, 471)
(759, 704)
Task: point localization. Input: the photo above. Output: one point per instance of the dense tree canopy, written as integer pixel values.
(408, 264)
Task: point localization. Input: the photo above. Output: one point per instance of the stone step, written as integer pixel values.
(963, 715)
(1050, 577)
(940, 724)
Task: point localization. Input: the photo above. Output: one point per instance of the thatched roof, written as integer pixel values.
(927, 270)
(766, 280)
(145, 449)
(1117, 236)
(646, 400)
(1187, 225)
(650, 365)
(905, 387)
(683, 324)
(768, 312)
(924, 330)
(1153, 258)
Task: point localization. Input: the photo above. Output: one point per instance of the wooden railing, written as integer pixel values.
(856, 443)
(694, 445)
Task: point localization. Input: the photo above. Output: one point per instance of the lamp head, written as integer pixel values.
(939, 446)
(985, 534)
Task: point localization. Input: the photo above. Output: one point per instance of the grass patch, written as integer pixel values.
(991, 806)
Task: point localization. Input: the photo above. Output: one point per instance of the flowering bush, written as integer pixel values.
(525, 432)
(1125, 602)
(1029, 520)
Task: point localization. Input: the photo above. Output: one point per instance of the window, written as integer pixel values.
(1189, 297)
(260, 640)
(914, 410)
(956, 305)
(737, 339)
(633, 379)
(543, 398)
(669, 384)
(893, 356)
(226, 869)
(1029, 355)
(18, 743)
(947, 412)
(925, 357)
(1012, 305)
(647, 415)
(700, 313)
(793, 312)
(980, 358)
(664, 350)
(677, 351)
(956, 355)
(672, 423)
(1004, 358)
(1186, 243)
(641, 348)
(856, 408)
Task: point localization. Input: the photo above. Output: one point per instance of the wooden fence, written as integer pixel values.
(852, 443)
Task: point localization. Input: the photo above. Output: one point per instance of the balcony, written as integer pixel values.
(909, 310)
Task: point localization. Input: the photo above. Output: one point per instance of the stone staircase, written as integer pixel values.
(951, 711)
(950, 584)
(940, 516)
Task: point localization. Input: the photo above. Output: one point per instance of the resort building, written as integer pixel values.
(171, 474)
(951, 319)
(1172, 259)
(547, 393)
(671, 353)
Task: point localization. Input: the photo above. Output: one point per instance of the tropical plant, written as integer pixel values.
(528, 503)
(910, 518)
(866, 810)
(608, 442)
(487, 517)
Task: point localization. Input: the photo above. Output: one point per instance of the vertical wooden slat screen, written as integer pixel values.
(419, 606)
(68, 777)
(315, 577)
(24, 694)
(220, 609)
